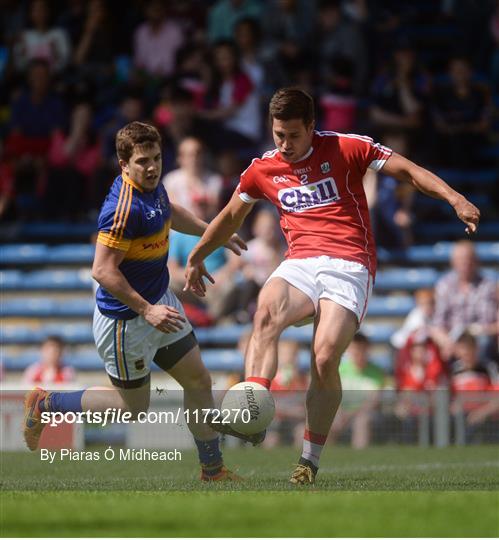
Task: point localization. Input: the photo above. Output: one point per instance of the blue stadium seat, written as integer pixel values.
(72, 254)
(215, 360)
(11, 280)
(28, 307)
(79, 333)
(395, 306)
(23, 253)
(405, 279)
(439, 253)
(47, 307)
(221, 335)
(434, 231)
(58, 280)
(57, 230)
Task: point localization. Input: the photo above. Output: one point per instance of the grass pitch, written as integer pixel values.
(388, 491)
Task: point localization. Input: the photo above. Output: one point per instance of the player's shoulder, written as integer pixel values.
(121, 199)
(266, 160)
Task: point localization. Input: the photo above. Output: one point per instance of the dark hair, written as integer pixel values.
(292, 103)
(360, 338)
(467, 339)
(135, 134)
(253, 24)
(55, 339)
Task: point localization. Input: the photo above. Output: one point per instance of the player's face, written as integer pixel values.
(144, 166)
(292, 138)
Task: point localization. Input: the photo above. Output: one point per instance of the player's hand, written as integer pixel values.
(194, 278)
(468, 213)
(236, 244)
(164, 318)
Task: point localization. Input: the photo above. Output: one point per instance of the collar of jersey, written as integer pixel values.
(305, 156)
(128, 180)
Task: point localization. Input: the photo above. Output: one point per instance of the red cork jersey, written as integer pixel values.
(320, 199)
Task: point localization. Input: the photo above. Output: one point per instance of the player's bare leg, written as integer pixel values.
(279, 305)
(195, 379)
(334, 329)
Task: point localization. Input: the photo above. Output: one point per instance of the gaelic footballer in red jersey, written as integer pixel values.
(315, 181)
(320, 197)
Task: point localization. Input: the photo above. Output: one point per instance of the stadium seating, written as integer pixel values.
(48, 291)
(82, 254)
(81, 333)
(215, 360)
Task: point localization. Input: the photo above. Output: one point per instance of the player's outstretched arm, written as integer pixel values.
(218, 233)
(106, 271)
(425, 181)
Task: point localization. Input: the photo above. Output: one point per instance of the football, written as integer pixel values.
(251, 407)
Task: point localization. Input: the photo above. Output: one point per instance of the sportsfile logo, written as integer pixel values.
(303, 198)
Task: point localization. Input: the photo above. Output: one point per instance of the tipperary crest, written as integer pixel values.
(325, 167)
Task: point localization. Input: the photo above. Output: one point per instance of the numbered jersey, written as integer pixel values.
(320, 199)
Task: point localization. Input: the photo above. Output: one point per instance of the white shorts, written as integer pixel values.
(128, 347)
(347, 283)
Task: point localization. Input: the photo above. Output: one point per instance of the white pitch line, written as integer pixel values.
(414, 467)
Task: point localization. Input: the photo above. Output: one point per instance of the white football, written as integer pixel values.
(251, 407)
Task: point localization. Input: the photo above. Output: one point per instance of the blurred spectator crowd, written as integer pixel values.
(419, 76)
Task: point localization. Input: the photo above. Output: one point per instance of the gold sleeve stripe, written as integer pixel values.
(117, 211)
(127, 200)
(123, 202)
(129, 205)
(106, 239)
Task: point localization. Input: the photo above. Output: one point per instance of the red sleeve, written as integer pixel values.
(247, 188)
(363, 153)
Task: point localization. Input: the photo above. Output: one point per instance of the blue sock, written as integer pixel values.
(62, 402)
(210, 456)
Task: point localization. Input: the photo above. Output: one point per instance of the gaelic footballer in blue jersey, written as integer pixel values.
(137, 319)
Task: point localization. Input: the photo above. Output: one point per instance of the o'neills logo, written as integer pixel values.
(253, 407)
(300, 199)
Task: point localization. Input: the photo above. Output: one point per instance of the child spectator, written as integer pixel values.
(50, 368)
(362, 382)
(420, 317)
(288, 389)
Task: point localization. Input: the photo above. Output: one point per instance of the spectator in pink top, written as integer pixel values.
(156, 41)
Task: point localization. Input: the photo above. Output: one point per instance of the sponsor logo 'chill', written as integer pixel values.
(300, 199)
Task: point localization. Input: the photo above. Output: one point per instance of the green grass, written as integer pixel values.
(389, 491)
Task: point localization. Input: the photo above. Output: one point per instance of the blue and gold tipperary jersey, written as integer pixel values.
(138, 223)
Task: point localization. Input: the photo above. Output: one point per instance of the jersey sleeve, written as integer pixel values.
(248, 189)
(119, 224)
(364, 152)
